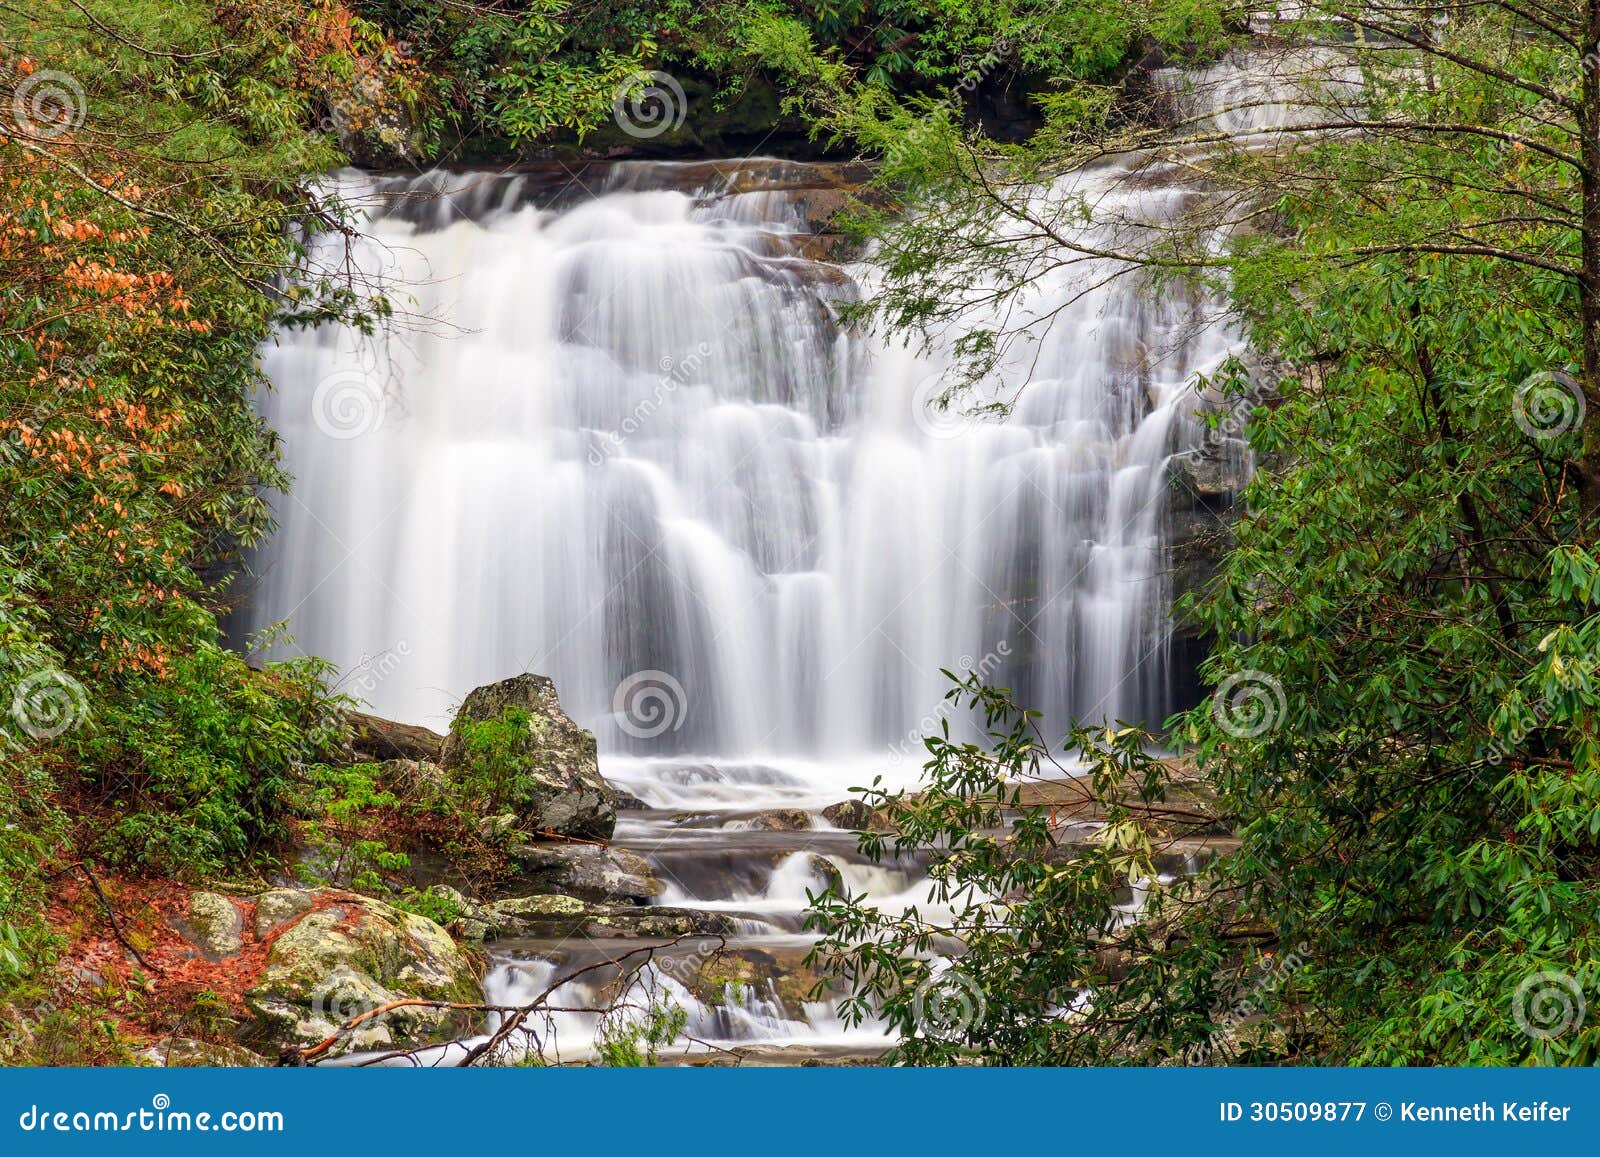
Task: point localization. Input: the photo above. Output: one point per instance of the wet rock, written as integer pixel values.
(1214, 475)
(354, 955)
(561, 917)
(278, 907)
(557, 773)
(1200, 517)
(599, 875)
(380, 740)
(857, 816)
(781, 974)
(781, 820)
(212, 924)
(825, 870)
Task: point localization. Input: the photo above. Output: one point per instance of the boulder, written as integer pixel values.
(563, 917)
(419, 780)
(790, 819)
(857, 816)
(278, 907)
(600, 875)
(351, 956)
(717, 978)
(825, 870)
(552, 770)
(213, 924)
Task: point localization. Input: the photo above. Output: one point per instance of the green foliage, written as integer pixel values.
(148, 211)
(440, 907)
(1008, 962)
(1410, 593)
(551, 71)
(630, 1038)
(192, 773)
(492, 777)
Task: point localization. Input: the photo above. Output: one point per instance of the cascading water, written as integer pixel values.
(644, 444)
(635, 449)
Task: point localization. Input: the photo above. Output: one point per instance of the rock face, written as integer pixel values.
(781, 820)
(585, 871)
(562, 917)
(553, 760)
(354, 955)
(783, 973)
(278, 907)
(213, 924)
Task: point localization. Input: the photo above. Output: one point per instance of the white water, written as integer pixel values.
(648, 446)
(648, 461)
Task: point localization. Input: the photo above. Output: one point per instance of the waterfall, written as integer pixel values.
(627, 439)
(628, 443)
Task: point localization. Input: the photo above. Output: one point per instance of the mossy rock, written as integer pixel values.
(782, 973)
(561, 917)
(213, 924)
(556, 770)
(346, 958)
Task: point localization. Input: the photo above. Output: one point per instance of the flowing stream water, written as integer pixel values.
(634, 448)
